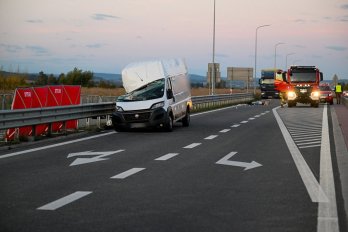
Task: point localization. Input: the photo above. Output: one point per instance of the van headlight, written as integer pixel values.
(157, 105)
(291, 95)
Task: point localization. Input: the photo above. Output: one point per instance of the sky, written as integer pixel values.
(105, 35)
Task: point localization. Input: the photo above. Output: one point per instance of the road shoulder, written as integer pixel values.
(342, 157)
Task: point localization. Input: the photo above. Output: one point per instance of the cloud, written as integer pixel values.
(344, 6)
(11, 48)
(95, 45)
(300, 21)
(38, 50)
(343, 18)
(104, 17)
(337, 48)
(34, 21)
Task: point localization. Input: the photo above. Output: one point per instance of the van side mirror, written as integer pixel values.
(170, 94)
(321, 76)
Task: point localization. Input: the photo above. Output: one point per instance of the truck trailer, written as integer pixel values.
(266, 82)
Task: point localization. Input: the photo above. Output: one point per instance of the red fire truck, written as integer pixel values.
(300, 84)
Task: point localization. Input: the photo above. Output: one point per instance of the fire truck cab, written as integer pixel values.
(303, 85)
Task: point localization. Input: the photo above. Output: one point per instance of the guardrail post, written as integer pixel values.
(49, 130)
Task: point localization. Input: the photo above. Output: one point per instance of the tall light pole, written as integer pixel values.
(266, 25)
(275, 54)
(213, 70)
(286, 59)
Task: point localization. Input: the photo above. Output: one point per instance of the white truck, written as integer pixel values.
(157, 95)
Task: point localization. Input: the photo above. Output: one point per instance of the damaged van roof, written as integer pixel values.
(137, 74)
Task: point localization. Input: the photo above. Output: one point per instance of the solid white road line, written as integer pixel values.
(327, 213)
(211, 137)
(128, 173)
(64, 201)
(314, 190)
(54, 145)
(192, 145)
(167, 156)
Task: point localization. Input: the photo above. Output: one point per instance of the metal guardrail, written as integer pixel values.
(35, 116)
(201, 102)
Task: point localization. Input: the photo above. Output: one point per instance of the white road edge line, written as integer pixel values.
(64, 201)
(314, 189)
(127, 173)
(167, 156)
(54, 145)
(327, 212)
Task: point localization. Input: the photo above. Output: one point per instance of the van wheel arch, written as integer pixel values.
(186, 120)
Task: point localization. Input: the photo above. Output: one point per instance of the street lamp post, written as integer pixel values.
(266, 25)
(286, 59)
(213, 69)
(275, 54)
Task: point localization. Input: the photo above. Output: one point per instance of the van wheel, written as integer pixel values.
(186, 119)
(169, 125)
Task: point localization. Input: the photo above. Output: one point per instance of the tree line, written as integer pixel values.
(10, 81)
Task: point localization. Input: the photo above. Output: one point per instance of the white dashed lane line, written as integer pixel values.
(225, 130)
(128, 173)
(211, 137)
(192, 145)
(235, 125)
(167, 156)
(64, 201)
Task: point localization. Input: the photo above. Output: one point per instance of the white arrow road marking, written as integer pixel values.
(98, 156)
(225, 161)
(64, 201)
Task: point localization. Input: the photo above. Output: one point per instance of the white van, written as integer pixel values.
(157, 95)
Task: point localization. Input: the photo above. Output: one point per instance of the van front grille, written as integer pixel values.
(137, 116)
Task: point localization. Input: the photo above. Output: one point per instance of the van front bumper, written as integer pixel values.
(140, 118)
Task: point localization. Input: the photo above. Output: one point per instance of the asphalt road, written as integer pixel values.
(245, 168)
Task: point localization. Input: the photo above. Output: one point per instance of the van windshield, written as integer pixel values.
(149, 91)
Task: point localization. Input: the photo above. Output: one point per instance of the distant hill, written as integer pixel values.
(116, 78)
